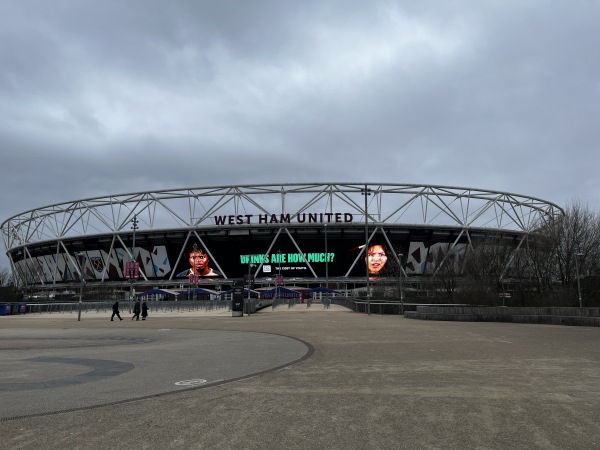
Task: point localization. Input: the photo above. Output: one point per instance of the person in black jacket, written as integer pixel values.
(115, 311)
(137, 308)
(144, 310)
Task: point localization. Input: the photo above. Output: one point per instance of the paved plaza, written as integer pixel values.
(295, 379)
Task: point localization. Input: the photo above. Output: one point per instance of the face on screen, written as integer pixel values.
(198, 261)
(376, 258)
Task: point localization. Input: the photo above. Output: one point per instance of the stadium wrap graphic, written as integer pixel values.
(231, 260)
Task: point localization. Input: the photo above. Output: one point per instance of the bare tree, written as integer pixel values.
(447, 265)
(485, 265)
(6, 277)
(576, 235)
(565, 249)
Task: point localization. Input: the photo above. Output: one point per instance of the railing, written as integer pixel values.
(345, 302)
(106, 306)
(378, 306)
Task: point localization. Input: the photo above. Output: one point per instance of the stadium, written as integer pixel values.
(311, 235)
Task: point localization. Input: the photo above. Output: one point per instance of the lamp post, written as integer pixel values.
(134, 227)
(400, 283)
(326, 259)
(577, 256)
(367, 192)
(249, 284)
(278, 276)
(193, 277)
(80, 297)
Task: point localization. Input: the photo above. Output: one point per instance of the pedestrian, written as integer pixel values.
(137, 308)
(115, 311)
(144, 310)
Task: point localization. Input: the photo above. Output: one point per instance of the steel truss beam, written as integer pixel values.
(193, 208)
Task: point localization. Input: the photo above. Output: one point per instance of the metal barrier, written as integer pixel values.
(345, 302)
(378, 306)
(106, 306)
(188, 306)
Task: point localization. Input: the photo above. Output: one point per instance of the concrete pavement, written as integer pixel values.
(302, 379)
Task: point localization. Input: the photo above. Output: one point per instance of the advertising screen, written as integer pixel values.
(208, 258)
(297, 258)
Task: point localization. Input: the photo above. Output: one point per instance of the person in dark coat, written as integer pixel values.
(144, 310)
(116, 311)
(137, 308)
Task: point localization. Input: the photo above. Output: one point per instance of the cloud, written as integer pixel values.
(100, 98)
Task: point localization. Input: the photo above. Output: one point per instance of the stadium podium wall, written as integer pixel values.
(538, 315)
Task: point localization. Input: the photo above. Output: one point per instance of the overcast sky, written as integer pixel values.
(115, 96)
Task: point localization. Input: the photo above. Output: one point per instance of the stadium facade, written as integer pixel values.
(304, 233)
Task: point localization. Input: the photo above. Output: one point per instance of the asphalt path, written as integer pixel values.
(296, 379)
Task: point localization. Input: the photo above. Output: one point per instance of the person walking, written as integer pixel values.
(144, 310)
(137, 309)
(115, 312)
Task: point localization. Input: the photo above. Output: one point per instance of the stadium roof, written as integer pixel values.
(265, 205)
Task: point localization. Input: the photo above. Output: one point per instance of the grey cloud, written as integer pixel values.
(108, 97)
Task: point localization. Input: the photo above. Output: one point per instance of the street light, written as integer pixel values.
(80, 297)
(577, 256)
(400, 255)
(367, 192)
(278, 283)
(249, 284)
(326, 259)
(134, 227)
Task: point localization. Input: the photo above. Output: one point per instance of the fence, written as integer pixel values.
(378, 306)
(106, 306)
